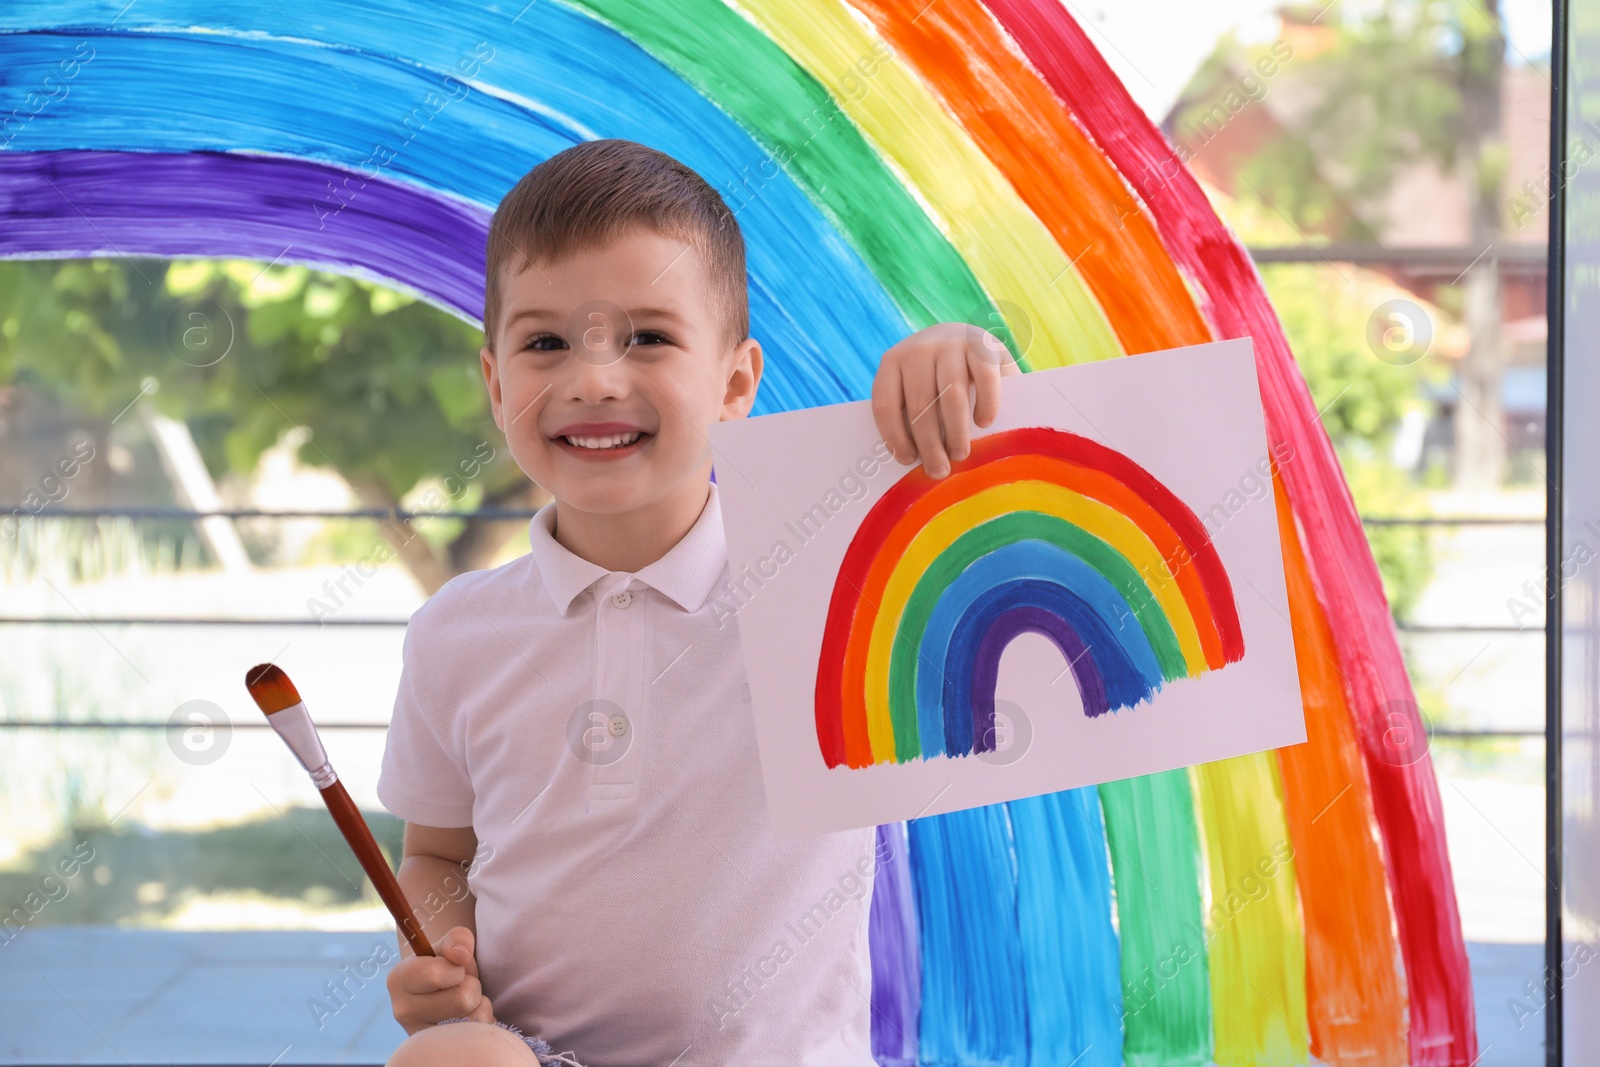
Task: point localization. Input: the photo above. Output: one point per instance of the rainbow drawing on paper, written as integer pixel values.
(1037, 530)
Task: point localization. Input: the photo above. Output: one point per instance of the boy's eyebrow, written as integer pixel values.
(642, 313)
(530, 313)
(659, 313)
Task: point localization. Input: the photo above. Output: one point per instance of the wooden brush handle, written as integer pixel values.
(355, 830)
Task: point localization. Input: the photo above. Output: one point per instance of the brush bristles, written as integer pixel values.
(270, 688)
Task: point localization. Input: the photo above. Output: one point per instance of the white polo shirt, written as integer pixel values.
(594, 728)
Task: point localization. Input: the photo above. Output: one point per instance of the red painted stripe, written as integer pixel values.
(1406, 799)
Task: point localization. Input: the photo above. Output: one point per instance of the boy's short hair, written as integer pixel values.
(596, 190)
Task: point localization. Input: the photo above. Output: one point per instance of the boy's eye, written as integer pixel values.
(545, 342)
(650, 337)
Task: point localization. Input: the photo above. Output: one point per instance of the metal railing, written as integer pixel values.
(401, 514)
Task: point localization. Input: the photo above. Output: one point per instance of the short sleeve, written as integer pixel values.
(423, 778)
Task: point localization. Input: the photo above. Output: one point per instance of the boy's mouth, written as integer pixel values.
(611, 445)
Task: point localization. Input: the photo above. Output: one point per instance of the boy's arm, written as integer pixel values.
(433, 874)
(427, 990)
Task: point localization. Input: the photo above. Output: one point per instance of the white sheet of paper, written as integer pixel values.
(1191, 417)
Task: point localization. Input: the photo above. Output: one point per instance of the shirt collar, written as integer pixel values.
(686, 574)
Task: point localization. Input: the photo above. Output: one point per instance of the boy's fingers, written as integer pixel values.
(459, 951)
(922, 413)
(422, 976)
(457, 946)
(888, 400)
(955, 409)
(986, 380)
(448, 1003)
(464, 959)
(468, 995)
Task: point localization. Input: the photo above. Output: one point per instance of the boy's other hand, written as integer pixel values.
(425, 990)
(920, 397)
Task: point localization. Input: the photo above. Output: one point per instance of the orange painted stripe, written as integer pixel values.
(1355, 991)
(1062, 176)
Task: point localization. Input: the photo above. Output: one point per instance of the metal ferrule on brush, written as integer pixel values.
(294, 725)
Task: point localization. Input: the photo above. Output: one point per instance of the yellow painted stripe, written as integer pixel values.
(1096, 518)
(1011, 252)
(1257, 942)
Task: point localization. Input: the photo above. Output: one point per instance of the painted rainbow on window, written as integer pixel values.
(893, 163)
(1037, 530)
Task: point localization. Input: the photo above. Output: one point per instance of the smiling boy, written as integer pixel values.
(575, 725)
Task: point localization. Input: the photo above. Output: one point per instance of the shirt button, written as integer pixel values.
(618, 725)
(622, 599)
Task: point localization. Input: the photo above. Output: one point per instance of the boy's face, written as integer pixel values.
(608, 365)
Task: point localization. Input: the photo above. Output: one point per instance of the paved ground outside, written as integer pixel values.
(107, 996)
(93, 995)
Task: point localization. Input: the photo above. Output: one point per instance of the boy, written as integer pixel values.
(573, 729)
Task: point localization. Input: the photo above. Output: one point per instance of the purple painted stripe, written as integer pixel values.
(247, 206)
(896, 947)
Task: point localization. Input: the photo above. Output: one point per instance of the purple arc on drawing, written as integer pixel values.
(986, 671)
(215, 204)
(1104, 668)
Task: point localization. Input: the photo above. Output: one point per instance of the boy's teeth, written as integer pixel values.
(613, 441)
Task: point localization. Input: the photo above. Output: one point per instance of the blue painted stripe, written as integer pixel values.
(974, 1004)
(1070, 955)
(814, 303)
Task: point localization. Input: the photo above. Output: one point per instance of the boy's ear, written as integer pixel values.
(743, 379)
(491, 381)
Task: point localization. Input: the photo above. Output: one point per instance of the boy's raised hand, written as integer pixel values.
(920, 397)
(426, 990)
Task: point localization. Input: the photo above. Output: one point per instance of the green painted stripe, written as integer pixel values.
(1155, 856)
(733, 63)
(980, 541)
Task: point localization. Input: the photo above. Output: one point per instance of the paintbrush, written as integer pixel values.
(275, 695)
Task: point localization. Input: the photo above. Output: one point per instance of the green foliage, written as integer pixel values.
(1324, 310)
(1404, 553)
(388, 385)
(1362, 399)
(296, 855)
(1386, 92)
